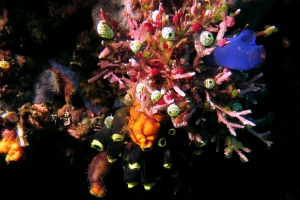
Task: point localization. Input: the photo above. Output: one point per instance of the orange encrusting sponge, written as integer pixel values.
(11, 148)
(143, 128)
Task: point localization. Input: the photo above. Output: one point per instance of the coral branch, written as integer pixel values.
(219, 78)
(97, 76)
(229, 125)
(179, 91)
(253, 79)
(186, 75)
(223, 28)
(221, 111)
(261, 136)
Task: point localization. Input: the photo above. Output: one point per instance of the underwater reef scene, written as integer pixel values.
(143, 99)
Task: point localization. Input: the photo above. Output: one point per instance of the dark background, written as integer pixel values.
(47, 170)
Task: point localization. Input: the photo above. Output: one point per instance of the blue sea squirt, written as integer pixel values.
(241, 53)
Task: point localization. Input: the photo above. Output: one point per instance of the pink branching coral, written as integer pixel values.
(222, 111)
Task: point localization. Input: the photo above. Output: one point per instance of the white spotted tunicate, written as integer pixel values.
(135, 45)
(209, 83)
(168, 33)
(104, 30)
(173, 110)
(108, 121)
(155, 96)
(139, 88)
(206, 38)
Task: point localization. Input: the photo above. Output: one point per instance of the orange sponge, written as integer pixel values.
(143, 128)
(11, 148)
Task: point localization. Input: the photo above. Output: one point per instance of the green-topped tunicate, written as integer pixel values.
(139, 88)
(128, 100)
(155, 96)
(206, 38)
(173, 110)
(108, 121)
(104, 30)
(135, 45)
(168, 33)
(237, 106)
(209, 83)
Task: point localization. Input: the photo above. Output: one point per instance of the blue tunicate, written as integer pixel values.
(242, 53)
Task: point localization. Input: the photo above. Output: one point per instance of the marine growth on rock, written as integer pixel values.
(166, 81)
(168, 85)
